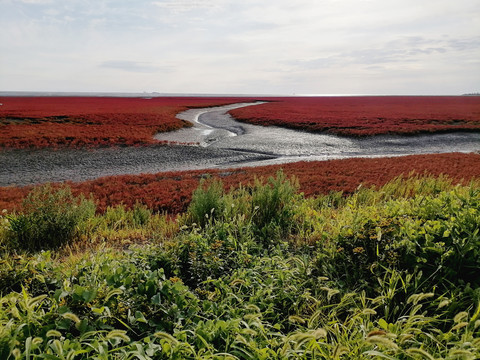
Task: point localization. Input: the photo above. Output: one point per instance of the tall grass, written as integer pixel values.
(207, 202)
(267, 206)
(50, 218)
(386, 273)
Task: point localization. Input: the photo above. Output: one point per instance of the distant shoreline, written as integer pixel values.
(158, 94)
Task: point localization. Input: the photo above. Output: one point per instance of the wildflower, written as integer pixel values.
(358, 250)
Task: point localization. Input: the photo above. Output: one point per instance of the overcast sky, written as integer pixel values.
(241, 46)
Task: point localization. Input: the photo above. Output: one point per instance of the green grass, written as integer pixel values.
(50, 219)
(255, 273)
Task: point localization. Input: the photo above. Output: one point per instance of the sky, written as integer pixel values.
(278, 47)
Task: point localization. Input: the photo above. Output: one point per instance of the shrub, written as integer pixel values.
(118, 217)
(428, 231)
(50, 218)
(141, 215)
(273, 206)
(392, 277)
(207, 202)
(267, 208)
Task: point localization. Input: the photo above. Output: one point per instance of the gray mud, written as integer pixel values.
(222, 143)
(24, 167)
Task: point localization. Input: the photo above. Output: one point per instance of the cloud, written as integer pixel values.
(37, 2)
(401, 51)
(178, 6)
(132, 66)
(465, 44)
(245, 46)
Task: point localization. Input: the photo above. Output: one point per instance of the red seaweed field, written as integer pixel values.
(36, 122)
(367, 115)
(39, 122)
(171, 192)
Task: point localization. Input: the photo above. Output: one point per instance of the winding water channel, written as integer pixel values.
(221, 142)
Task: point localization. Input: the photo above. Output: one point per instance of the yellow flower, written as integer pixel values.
(358, 250)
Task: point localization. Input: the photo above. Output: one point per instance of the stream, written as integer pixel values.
(220, 142)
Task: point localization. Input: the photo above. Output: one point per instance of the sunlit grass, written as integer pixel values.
(259, 272)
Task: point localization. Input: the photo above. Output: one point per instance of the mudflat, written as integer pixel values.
(221, 142)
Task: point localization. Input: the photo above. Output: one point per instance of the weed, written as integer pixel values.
(50, 218)
(387, 273)
(207, 202)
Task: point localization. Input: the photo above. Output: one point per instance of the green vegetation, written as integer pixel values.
(50, 219)
(259, 272)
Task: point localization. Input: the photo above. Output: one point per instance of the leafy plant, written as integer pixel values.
(50, 218)
(385, 274)
(207, 202)
(273, 206)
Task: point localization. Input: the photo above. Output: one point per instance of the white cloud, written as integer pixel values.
(37, 2)
(276, 46)
(132, 66)
(187, 5)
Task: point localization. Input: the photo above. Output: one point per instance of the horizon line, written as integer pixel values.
(185, 94)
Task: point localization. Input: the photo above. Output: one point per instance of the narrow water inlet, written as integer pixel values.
(202, 133)
(221, 142)
(215, 128)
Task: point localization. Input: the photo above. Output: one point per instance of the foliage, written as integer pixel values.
(118, 217)
(434, 231)
(273, 206)
(207, 202)
(268, 206)
(226, 229)
(367, 115)
(50, 218)
(172, 192)
(385, 273)
(58, 122)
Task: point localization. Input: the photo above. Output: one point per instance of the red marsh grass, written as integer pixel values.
(367, 115)
(41, 122)
(171, 191)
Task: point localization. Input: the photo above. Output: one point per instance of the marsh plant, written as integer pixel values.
(259, 272)
(267, 206)
(49, 218)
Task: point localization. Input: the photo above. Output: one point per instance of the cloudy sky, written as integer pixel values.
(241, 46)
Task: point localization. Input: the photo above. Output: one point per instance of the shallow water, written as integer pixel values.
(222, 143)
(217, 130)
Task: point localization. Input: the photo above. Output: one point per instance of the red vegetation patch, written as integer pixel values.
(171, 192)
(38, 122)
(368, 115)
